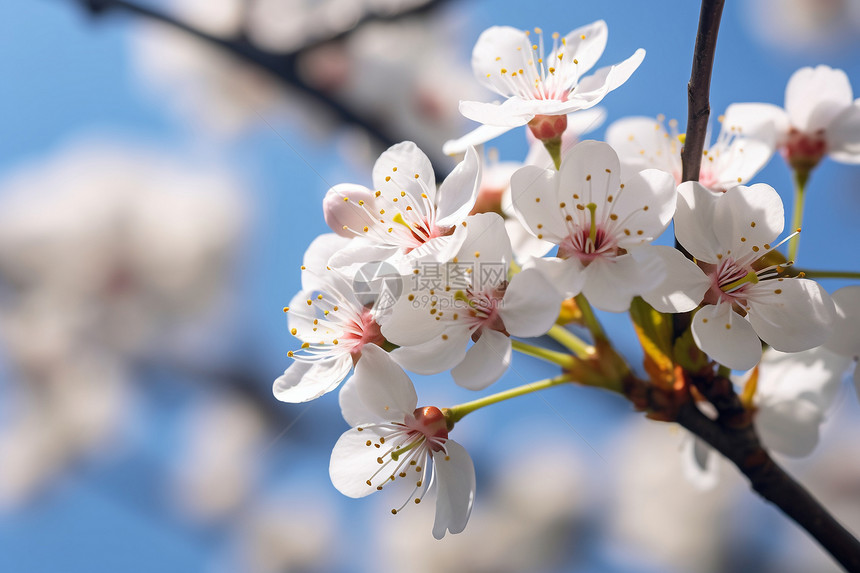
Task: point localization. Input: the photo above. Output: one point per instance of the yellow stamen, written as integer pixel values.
(750, 277)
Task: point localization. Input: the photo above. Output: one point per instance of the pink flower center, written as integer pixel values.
(587, 246)
(423, 231)
(483, 309)
(709, 178)
(406, 450)
(802, 150)
(364, 331)
(430, 422)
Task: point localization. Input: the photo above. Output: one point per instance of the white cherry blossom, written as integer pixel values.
(405, 219)
(333, 324)
(494, 193)
(794, 393)
(479, 300)
(393, 442)
(541, 86)
(603, 229)
(821, 117)
(643, 143)
(728, 234)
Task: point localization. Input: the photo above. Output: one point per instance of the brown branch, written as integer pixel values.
(742, 447)
(733, 435)
(699, 87)
(698, 113)
(283, 66)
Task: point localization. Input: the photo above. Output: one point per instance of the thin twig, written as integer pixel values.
(699, 87)
(282, 66)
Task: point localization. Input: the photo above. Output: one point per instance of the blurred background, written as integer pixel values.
(157, 192)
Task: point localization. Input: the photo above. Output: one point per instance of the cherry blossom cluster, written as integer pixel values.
(450, 277)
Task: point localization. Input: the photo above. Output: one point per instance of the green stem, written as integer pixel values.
(456, 413)
(553, 147)
(560, 358)
(589, 319)
(812, 274)
(570, 341)
(800, 179)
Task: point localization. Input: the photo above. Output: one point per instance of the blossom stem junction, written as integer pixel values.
(456, 413)
(560, 358)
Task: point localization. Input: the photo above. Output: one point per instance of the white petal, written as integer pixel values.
(789, 427)
(401, 162)
(611, 284)
(301, 315)
(487, 236)
(498, 47)
(593, 88)
(333, 281)
(360, 251)
(566, 276)
(437, 250)
(534, 195)
(694, 221)
(409, 322)
(353, 463)
(478, 136)
(586, 45)
(812, 375)
(304, 381)
(530, 305)
(340, 213)
(684, 283)
(843, 135)
(845, 336)
(798, 317)
(747, 217)
(814, 96)
(321, 249)
(458, 192)
(699, 463)
(443, 352)
(524, 244)
(591, 170)
(744, 158)
(726, 337)
(757, 120)
(383, 386)
(455, 492)
(353, 409)
(646, 203)
(485, 362)
(643, 143)
(513, 112)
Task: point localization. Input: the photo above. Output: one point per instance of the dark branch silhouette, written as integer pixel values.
(284, 66)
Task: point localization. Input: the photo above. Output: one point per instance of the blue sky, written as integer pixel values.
(67, 76)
